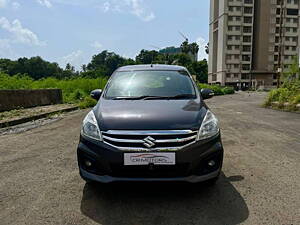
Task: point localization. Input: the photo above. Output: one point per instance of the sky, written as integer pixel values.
(72, 31)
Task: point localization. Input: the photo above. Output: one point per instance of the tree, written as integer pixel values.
(194, 47)
(185, 47)
(207, 48)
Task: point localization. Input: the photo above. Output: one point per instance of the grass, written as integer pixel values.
(75, 90)
(288, 93)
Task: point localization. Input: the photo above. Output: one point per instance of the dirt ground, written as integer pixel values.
(40, 184)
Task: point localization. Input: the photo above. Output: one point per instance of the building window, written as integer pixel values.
(236, 56)
(228, 57)
(245, 76)
(238, 8)
(237, 28)
(247, 29)
(230, 8)
(228, 75)
(287, 47)
(248, 1)
(295, 39)
(229, 47)
(237, 47)
(236, 75)
(230, 18)
(229, 37)
(295, 30)
(295, 20)
(238, 18)
(236, 66)
(247, 39)
(287, 29)
(246, 58)
(230, 28)
(247, 19)
(246, 48)
(287, 38)
(248, 10)
(275, 58)
(289, 1)
(246, 67)
(292, 12)
(286, 57)
(214, 77)
(294, 48)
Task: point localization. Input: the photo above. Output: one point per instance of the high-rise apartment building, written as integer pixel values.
(246, 37)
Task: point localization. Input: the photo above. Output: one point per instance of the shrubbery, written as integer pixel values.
(74, 89)
(218, 90)
(288, 93)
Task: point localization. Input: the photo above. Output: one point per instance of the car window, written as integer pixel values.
(150, 83)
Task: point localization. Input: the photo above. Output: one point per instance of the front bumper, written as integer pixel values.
(107, 163)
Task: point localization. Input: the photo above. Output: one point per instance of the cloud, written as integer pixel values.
(96, 45)
(106, 7)
(20, 34)
(202, 43)
(140, 11)
(135, 7)
(45, 3)
(74, 58)
(16, 5)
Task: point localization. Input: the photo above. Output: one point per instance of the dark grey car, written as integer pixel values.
(150, 124)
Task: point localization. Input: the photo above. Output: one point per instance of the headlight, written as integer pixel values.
(90, 127)
(209, 126)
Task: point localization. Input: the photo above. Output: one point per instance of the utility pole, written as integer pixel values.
(279, 64)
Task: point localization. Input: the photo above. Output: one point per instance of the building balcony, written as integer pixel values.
(234, 13)
(233, 32)
(233, 52)
(234, 3)
(234, 23)
(233, 61)
(233, 42)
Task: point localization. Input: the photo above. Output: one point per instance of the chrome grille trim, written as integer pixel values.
(149, 132)
(157, 141)
(150, 149)
(160, 136)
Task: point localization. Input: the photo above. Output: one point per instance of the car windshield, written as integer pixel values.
(150, 84)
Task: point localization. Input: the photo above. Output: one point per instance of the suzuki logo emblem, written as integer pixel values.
(149, 142)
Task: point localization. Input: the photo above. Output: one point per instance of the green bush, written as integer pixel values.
(74, 89)
(288, 93)
(218, 90)
(87, 103)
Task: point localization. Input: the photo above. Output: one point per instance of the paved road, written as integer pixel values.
(39, 182)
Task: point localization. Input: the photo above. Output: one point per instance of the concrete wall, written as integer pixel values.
(13, 99)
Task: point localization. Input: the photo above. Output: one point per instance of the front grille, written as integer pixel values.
(164, 140)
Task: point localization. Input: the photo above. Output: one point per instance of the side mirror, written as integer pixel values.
(207, 93)
(96, 94)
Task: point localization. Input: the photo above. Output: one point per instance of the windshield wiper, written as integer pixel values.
(149, 97)
(182, 96)
(137, 97)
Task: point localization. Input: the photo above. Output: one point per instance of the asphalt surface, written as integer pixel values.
(39, 181)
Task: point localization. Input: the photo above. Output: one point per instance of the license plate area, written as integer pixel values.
(155, 158)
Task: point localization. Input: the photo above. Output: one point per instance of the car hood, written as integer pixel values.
(149, 114)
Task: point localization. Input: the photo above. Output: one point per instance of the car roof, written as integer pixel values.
(151, 67)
